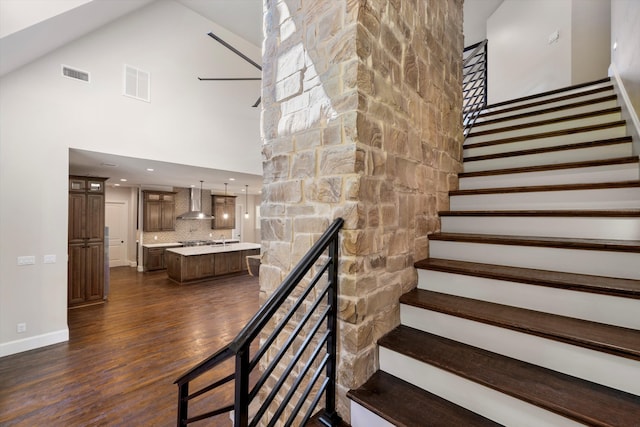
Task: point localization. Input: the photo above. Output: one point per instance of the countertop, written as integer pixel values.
(203, 250)
(161, 245)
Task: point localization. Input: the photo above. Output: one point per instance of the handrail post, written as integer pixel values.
(330, 417)
(241, 407)
(183, 404)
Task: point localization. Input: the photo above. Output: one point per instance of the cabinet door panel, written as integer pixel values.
(221, 264)
(94, 266)
(152, 216)
(206, 266)
(168, 216)
(95, 217)
(76, 274)
(235, 262)
(77, 219)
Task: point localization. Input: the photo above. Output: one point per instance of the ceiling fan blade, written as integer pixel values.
(234, 50)
(257, 102)
(226, 79)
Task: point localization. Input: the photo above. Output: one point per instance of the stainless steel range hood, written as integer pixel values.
(195, 205)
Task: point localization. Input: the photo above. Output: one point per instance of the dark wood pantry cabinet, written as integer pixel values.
(86, 252)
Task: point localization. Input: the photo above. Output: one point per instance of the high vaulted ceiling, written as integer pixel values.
(31, 29)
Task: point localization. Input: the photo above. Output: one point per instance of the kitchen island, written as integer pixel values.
(197, 263)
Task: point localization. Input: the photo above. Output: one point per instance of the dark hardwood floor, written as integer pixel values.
(122, 358)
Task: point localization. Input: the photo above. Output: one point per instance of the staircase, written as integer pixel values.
(527, 312)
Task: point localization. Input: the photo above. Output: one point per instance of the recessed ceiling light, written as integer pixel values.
(243, 190)
(123, 180)
(232, 179)
(149, 169)
(192, 185)
(116, 185)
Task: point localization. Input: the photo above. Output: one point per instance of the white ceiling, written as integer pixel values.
(242, 17)
(164, 174)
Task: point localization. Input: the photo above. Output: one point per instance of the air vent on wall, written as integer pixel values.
(137, 83)
(74, 73)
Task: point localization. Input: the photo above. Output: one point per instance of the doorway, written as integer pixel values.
(116, 219)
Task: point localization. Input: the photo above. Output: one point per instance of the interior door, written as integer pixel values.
(116, 218)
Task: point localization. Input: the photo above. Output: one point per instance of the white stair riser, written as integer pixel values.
(564, 156)
(482, 400)
(590, 365)
(572, 227)
(569, 124)
(599, 308)
(554, 141)
(606, 198)
(362, 417)
(592, 174)
(599, 263)
(546, 116)
(526, 109)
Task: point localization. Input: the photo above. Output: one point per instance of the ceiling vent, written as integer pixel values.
(137, 83)
(74, 73)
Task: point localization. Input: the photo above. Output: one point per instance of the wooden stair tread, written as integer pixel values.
(568, 396)
(627, 288)
(555, 166)
(404, 404)
(546, 121)
(549, 93)
(547, 110)
(616, 340)
(549, 134)
(539, 188)
(550, 242)
(623, 213)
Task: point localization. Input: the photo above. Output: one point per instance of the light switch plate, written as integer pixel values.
(49, 259)
(26, 260)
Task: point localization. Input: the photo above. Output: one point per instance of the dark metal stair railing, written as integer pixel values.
(474, 83)
(323, 311)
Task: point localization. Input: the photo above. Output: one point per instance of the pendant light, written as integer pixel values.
(225, 215)
(246, 201)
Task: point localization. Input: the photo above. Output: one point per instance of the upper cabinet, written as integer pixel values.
(223, 209)
(159, 210)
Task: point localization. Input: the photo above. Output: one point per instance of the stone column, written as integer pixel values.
(362, 120)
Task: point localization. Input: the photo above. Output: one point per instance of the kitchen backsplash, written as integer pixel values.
(188, 229)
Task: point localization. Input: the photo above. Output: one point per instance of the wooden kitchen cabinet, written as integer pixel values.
(159, 209)
(219, 206)
(86, 251)
(154, 259)
(228, 262)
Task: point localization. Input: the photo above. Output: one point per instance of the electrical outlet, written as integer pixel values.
(49, 259)
(21, 328)
(26, 260)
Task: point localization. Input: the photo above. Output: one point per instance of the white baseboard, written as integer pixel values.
(31, 343)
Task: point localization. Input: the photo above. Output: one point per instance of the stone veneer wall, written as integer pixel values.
(361, 120)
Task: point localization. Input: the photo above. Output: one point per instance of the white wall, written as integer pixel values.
(591, 36)
(522, 61)
(43, 114)
(625, 29)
